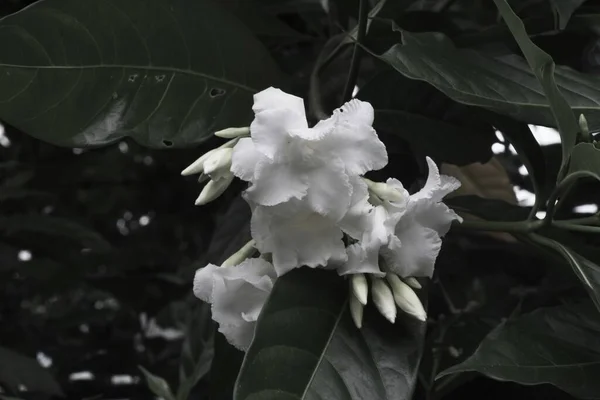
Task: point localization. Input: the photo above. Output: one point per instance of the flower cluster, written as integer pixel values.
(311, 206)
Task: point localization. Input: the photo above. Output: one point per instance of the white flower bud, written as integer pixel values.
(241, 255)
(360, 288)
(406, 299)
(213, 189)
(231, 133)
(383, 299)
(413, 283)
(197, 166)
(356, 310)
(384, 191)
(203, 178)
(218, 164)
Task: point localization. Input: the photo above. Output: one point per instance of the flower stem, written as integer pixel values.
(357, 54)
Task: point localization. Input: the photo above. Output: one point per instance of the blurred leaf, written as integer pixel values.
(426, 118)
(158, 385)
(224, 369)
(556, 345)
(488, 209)
(55, 226)
(543, 67)
(307, 347)
(564, 9)
(585, 159)
(503, 84)
(165, 73)
(8, 193)
(17, 370)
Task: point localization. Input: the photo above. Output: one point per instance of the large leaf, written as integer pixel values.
(555, 345)
(165, 72)
(306, 346)
(504, 84)
(585, 160)
(17, 370)
(426, 119)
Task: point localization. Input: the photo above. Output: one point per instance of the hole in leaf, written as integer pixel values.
(167, 143)
(216, 92)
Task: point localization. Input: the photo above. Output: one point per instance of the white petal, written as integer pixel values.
(329, 190)
(356, 221)
(361, 261)
(436, 216)
(437, 186)
(276, 183)
(245, 159)
(270, 130)
(203, 282)
(296, 236)
(354, 140)
(272, 98)
(413, 251)
(239, 336)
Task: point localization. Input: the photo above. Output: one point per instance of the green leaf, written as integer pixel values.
(164, 73)
(543, 67)
(585, 160)
(158, 385)
(425, 118)
(564, 9)
(54, 226)
(503, 84)
(556, 345)
(17, 370)
(307, 347)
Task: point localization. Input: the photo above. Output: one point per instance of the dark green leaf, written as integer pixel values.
(165, 73)
(543, 67)
(306, 346)
(488, 209)
(502, 84)
(54, 226)
(556, 345)
(585, 160)
(17, 370)
(425, 118)
(158, 385)
(564, 9)
(224, 369)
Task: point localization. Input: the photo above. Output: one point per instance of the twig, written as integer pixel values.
(357, 54)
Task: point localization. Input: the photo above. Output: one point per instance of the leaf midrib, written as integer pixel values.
(143, 67)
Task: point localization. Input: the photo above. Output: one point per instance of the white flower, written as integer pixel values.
(419, 225)
(295, 235)
(237, 295)
(285, 159)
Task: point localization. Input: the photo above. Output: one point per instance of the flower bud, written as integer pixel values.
(231, 133)
(406, 299)
(360, 288)
(203, 178)
(413, 283)
(356, 310)
(197, 166)
(384, 191)
(383, 299)
(218, 164)
(214, 189)
(241, 255)
(585, 130)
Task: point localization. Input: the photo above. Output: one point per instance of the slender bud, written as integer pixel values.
(406, 299)
(360, 288)
(218, 164)
(384, 191)
(383, 299)
(197, 166)
(237, 258)
(585, 130)
(231, 133)
(413, 283)
(356, 310)
(213, 189)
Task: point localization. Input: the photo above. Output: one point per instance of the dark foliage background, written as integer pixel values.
(98, 247)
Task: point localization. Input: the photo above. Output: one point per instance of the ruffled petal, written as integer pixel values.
(276, 183)
(272, 98)
(413, 250)
(354, 140)
(361, 261)
(203, 282)
(329, 190)
(245, 159)
(355, 221)
(296, 236)
(436, 216)
(270, 130)
(437, 186)
(239, 336)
